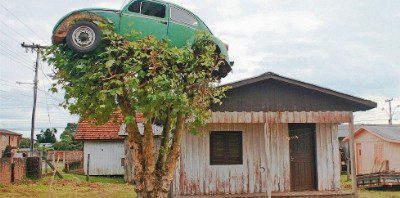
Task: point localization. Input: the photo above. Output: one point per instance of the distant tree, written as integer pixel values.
(69, 132)
(68, 141)
(25, 143)
(47, 136)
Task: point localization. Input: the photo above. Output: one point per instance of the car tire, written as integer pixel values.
(83, 37)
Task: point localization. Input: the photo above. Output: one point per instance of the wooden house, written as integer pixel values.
(271, 133)
(377, 148)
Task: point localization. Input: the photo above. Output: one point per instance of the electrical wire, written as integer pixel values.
(27, 26)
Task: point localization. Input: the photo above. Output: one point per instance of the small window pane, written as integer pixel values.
(153, 9)
(226, 147)
(135, 7)
(182, 16)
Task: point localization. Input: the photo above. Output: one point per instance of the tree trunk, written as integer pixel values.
(151, 180)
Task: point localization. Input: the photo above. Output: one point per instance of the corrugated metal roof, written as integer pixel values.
(270, 75)
(391, 132)
(8, 132)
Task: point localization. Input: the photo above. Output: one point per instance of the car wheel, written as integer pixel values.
(83, 37)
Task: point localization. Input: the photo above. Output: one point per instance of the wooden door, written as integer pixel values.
(358, 159)
(302, 157)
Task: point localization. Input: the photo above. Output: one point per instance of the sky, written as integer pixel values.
(348, 46)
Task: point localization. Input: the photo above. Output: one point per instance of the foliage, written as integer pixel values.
(173, 87)
(25, 143)
(68, 141)
(47, 136)
(6, 152)
(69, 132)
(147, 72)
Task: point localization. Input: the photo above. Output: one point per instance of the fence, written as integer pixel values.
(65, 156)
(12, 170)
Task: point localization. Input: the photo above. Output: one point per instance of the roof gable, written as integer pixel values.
(389, 133)
(8, 132)
(271, 92)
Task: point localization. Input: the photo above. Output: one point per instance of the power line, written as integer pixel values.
(22, 36)
(15, 53)
(23, 23)
(11, 57)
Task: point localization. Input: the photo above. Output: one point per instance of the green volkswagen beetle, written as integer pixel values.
(160, 19)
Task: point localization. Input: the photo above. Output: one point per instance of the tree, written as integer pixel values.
(68, 141)
(170, 86)
(69, 132)
(47, 136)
(25, 143)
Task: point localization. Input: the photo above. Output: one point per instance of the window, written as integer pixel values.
(226, 148)
(135, 7)
(122, 161)
(182, 16)
(148, 8)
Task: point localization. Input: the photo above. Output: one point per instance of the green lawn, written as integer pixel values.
(71, 186)
(376, 193)
(74, 185)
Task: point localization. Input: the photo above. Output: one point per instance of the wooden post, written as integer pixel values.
(87, 167)
(352, 156)
(64, 157)
(268, 164)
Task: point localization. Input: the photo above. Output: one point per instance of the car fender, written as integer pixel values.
(61, 29)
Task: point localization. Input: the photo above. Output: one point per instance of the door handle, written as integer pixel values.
(291, 158)
(163, 22)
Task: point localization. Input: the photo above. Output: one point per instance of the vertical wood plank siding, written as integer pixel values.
(195, 175)
(328, 158)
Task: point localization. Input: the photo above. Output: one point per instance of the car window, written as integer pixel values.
(135, 7)
(153, 9)
(182, 16)
(148, 8)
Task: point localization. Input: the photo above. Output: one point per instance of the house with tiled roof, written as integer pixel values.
(106, 146)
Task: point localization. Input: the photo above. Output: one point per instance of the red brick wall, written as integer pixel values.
(6, 139)
(19, 169)
(70, 156)
(5, 170)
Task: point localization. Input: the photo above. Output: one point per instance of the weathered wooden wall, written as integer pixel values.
(105, 157)
(226, 117)
(196, 176)
(328, 157)
(373, 157)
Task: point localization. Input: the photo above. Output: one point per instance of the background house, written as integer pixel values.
(271, 133)
(377, 148)
(107, 146)
(9, 138)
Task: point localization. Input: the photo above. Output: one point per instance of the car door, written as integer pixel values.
(182, 26)
(145, 17)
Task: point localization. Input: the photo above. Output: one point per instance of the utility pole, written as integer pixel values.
(390, 111)
(37, 48)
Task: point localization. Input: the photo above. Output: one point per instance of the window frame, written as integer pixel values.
(228, 160)
(183, 23)
(140, 9)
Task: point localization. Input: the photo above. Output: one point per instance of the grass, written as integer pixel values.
(71, 186)
(375, 193)
(74, 185)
